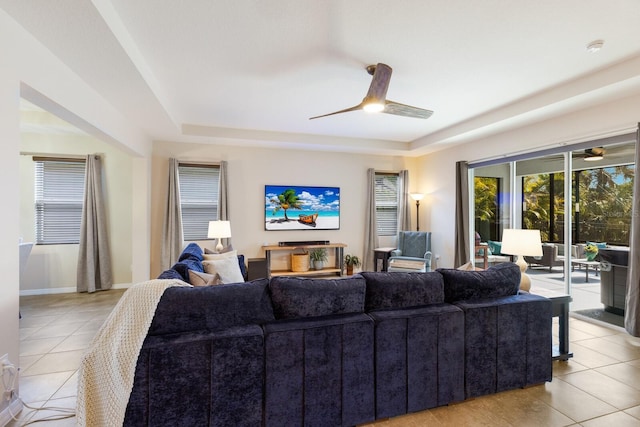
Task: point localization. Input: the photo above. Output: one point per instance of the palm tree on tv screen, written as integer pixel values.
(288, 199)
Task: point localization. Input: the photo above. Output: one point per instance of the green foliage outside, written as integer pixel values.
(605, 202)
(487, 207)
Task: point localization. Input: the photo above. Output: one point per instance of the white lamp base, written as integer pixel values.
(219, 246)
(525, 281)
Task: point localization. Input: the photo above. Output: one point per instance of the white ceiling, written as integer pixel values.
(254, 71)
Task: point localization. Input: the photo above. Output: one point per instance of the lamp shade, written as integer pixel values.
(417, 196)
(219, 229)
(521, 242)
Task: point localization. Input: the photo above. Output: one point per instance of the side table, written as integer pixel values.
(560, 309)
(381, 258)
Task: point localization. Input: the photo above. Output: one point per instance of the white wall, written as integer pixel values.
(250, 169)
(436, 172)
(9, 335)
(52, 268)
(28, 69)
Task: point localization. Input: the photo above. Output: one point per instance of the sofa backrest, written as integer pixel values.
(399, 290)
(500, 280)
(213, 308)
(298, 297)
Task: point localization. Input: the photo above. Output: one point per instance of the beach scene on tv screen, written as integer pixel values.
(294, 207)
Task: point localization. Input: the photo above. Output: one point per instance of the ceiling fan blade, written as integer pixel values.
(346, 110)
(398, 109)
(376, 99)
(379, 83)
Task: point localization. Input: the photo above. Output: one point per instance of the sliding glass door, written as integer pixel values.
(574, 198)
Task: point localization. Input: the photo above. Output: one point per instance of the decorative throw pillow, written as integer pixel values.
(226, 265)
(495, 247)
(204, 279)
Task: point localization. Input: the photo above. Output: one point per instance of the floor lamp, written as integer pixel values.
(417, 197)
(522, 243)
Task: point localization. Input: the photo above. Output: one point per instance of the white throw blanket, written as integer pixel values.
(107, 369)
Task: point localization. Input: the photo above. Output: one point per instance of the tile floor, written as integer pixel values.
(600, 386)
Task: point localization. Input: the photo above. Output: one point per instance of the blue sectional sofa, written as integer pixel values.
(337, 352)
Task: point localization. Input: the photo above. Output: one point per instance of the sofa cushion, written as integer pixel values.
(213, 308)
(399, 289)
(296, 297)
(497, 281)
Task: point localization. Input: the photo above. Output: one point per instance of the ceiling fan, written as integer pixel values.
(593, 154)
(376, 102)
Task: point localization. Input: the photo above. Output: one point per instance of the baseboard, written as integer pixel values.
(66, 290)
(14, 408)
(47, 291)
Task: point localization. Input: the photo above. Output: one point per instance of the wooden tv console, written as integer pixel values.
(281, 256)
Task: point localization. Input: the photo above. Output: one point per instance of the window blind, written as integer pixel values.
(59, 192)
(387, 203)
(199, 188)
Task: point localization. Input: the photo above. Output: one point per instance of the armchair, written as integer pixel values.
(550, 258)
(413, 252)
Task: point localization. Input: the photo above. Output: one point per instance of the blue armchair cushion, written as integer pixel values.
(399, 289)
(413, 244)
(497, 281)
(296, 297)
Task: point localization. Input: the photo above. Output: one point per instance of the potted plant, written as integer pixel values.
(590, 251)
(351, 261)
(318, 257)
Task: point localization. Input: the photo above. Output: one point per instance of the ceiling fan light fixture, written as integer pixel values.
(373, 106)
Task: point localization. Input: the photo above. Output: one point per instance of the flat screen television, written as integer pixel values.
(296, 207)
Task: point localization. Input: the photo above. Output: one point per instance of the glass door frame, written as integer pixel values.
(516, 190)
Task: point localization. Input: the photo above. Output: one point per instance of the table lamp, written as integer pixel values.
(219, 230)
(522, 243)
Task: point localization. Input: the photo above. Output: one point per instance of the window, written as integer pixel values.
(199, 189)
(487, 209)
(58, 200)
(387, 185)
